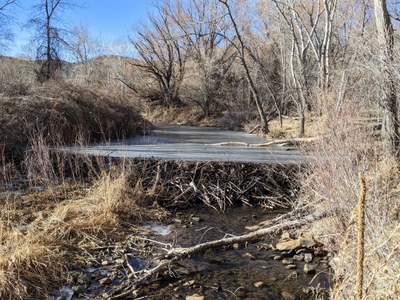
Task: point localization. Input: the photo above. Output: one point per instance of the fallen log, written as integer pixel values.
(270, 143)
(176, 254)
(285, 141)
(233, 143)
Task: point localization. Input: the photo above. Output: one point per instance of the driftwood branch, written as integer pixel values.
(177, 254)
(270, 143)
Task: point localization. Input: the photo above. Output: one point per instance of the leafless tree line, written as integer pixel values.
(267, 57)
(290, 54)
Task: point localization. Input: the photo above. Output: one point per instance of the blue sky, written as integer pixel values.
(109, 19)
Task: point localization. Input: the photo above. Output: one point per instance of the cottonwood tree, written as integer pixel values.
(160, 55)
(239, 43)
(310, 25)
(202, 26)
(390, 128)
(50, 35)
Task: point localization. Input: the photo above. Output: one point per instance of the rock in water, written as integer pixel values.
(288, 245)
(287, 296)
(310, 268)
(194, 297)
(308, 257)
(259, 284)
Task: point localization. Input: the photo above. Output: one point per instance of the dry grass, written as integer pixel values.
(37, 229)
(110, 204)
(332, 186)
(30, 263)
(63, 113)
(186, 115)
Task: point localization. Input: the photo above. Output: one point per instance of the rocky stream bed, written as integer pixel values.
(279, 267)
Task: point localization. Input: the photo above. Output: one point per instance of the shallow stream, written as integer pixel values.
(248, 271)
(243, 271)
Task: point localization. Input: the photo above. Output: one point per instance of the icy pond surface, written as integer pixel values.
(188, 143)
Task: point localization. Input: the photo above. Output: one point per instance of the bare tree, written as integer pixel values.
(240, 45)
(311, 28)
(200, 24)
(6, 34)
(160, 55)
(50, 35)
(85, 51)
(390, 128)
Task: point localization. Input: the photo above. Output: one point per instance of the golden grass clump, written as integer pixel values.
(30, 264)
(332, 186)
(31, 257)
(110, 204)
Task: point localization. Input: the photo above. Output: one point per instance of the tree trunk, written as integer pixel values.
(302, 123)
(241, 48)
(330, 8)
(390, 126)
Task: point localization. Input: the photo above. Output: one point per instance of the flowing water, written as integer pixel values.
(243, 272)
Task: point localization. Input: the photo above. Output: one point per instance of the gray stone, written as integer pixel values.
(290, 267)
(77, 289)
(248, 255)
(259, 284)
(298, 257)
(272, 279)
(83, 279)
(310, 268)
(287, 261)
(308, 257)
(307, 243)
(196, 219)
(236, 246)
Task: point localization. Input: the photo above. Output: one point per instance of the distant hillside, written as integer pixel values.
(106, 71)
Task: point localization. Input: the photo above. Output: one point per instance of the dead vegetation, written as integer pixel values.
(332, 185)
(44, 233)
(217, 185)
(37, 250)
(62, 113)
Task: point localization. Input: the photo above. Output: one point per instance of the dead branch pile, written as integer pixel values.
(217, 184)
